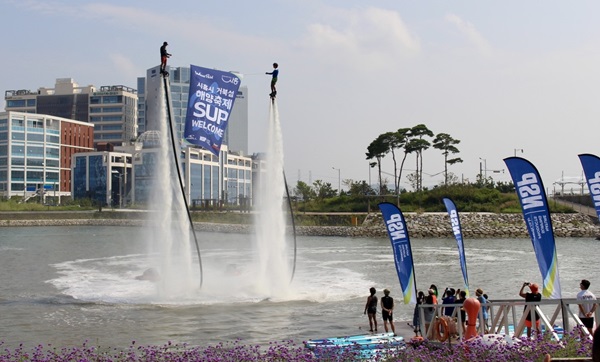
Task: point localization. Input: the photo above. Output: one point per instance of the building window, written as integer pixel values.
(33, 162)
(52, 152)
(35, 176)
(52, 139)
(112, 99)
(18, 150)
(35, 151)
(15, 103)
(36, 137)
(112, 109)
(35, 123)
(17, 175)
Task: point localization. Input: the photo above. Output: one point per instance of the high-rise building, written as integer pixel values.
(36, 152)
(112, 109)
(236, 133)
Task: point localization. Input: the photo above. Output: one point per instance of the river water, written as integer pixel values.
(67, 285)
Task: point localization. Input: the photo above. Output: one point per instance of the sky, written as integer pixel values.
(505, 78)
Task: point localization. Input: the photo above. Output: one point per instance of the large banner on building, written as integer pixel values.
(536, 213)
(591, 169)
(396, 228)
(210, 101)
(457, 231)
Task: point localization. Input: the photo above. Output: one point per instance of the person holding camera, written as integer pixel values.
(534, 296)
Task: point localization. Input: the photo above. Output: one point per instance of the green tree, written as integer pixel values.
(404, 137)
(377, 150)
(323, 190)
(420, 144)
(416, 143)
(304, 191)
(445, 143)
(359, 188)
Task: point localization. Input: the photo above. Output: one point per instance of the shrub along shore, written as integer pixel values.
(420, 225)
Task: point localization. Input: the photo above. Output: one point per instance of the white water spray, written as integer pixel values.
(169, 231)
(273, 261)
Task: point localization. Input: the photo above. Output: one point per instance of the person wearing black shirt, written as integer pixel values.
(387, 310)
(534, 296)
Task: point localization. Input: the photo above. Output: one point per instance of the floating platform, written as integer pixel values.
(363, 346)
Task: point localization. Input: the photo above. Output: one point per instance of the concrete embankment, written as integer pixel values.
(420, 225)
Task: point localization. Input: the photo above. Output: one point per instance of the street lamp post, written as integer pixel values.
(339, 181)
(484, 167)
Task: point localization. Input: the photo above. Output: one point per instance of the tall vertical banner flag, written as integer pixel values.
(591, 169)
(536, 213)
(457, 231)
(210, 101)
(398, 233)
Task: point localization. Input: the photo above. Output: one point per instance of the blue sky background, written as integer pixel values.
(498, 76)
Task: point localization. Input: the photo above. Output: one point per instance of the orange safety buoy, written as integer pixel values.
(437, 334)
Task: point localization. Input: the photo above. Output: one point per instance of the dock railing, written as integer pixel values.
(504, 314)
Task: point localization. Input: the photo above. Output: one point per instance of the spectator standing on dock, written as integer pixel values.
(462, 296)
(417, 315)
(371, 309)
(387, 310)
(429, 311)
(586, 311)
(484, 309)
(449, 298)
(434, 287)
(534, 296)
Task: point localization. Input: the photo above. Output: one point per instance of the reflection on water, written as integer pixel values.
(67, 285)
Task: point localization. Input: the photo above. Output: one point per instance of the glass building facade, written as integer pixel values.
(33, 153)
(104, 177)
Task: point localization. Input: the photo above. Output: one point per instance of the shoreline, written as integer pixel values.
(420, 225)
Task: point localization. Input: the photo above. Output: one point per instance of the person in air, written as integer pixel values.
(274, 73)
(163, 57)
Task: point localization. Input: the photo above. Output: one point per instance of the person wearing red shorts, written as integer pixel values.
(163, 58)
(534, 296)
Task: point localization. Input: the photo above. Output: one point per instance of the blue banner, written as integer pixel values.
(530, 190)
(457, 231)
(398, 233)
(210, 101)
(591, 169)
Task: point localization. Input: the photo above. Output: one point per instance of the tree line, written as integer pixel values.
(413, 140)
(399, 145)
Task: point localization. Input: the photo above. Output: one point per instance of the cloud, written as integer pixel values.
(125, 65)
(469, 30)
(373, 36)
(201, 29)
